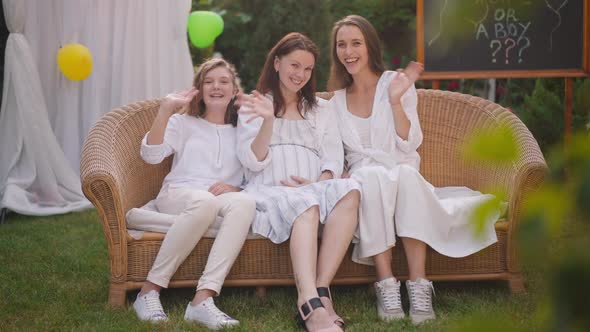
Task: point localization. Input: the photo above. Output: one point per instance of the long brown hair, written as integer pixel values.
(197, 105)
(268, 82)
(339, 76)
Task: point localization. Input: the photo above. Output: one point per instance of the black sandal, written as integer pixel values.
(325, 292)
(306, 310)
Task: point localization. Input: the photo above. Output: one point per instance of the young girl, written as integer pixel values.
(202, 184)
(292, 151)
(378, 119)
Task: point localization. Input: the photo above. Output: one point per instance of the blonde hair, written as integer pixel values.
(197, 105)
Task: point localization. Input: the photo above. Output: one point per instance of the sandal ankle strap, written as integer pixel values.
(324, 292)
(308, 307)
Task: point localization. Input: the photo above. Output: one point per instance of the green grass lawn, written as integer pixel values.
(54, 276)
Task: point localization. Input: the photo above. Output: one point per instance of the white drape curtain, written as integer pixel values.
(140, 51)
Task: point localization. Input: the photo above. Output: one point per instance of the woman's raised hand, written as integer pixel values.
(404, 80)
(178, 99)
(256, 105)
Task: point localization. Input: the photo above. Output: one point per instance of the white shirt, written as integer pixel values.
(204, 153)
(363, 128)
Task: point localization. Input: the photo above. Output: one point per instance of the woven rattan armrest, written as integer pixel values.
(115, 178)
(102, 184)
(449, 119)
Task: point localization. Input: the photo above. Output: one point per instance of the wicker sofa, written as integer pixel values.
(115, 179)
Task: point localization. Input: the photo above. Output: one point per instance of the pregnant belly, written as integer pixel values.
(295, 160)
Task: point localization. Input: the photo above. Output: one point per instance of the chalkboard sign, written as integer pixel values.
(503, 38)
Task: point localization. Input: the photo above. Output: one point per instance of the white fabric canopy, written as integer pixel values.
(140, 51)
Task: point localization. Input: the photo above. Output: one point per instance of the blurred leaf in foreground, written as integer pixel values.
(493, 145)
(488, 210)
(485, 323)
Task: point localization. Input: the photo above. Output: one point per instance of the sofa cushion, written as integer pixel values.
(158, 222)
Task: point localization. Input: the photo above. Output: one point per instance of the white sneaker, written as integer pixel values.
(420, 293)
(208, 314)
(148, 307)
(389, 303)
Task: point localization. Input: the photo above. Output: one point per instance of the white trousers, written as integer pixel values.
(195, 211)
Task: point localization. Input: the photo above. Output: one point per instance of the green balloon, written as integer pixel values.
(204, 27)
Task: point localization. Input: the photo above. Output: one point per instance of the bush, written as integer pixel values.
(542, 110)
(395, 21)
(252, 27)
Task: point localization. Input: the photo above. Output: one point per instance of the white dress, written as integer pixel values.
(303, 148)
(396, 199)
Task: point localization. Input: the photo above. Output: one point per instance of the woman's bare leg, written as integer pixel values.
(416, 255)
(383, 267)
(304, 251)
(336, 238)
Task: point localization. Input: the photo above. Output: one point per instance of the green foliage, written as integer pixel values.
(495, 145)
(560, 203)
(252, 27)
(484, 212)
(581, 116)
(551, 204)
(541, 113)
(485, 323)
(540, 104)
(394, 20)
(570, 291)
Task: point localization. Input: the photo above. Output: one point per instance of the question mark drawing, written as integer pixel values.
(512, 45)
(492, 43)
(526, 44)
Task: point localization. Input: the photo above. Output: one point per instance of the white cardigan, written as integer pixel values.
(388, 148)
(391, 184)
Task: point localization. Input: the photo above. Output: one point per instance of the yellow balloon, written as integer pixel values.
(74, 61)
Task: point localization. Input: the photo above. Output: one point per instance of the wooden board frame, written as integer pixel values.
(585, 71)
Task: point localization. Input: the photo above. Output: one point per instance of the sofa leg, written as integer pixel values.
(117, 295)
(516, 284)
(261, 292)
